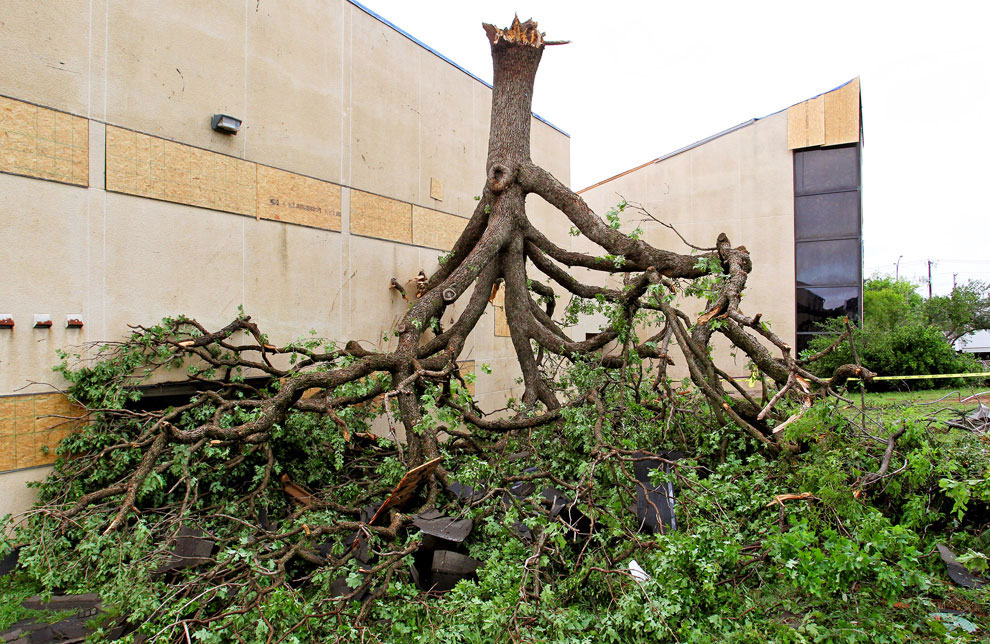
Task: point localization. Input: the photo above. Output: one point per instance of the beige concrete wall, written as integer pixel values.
(740, 184)
(342, 116)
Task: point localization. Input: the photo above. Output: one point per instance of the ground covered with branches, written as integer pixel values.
(819, 546)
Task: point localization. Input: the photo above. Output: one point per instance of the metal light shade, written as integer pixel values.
(225, 124)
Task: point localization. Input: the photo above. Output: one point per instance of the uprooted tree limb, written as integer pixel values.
(231, 421)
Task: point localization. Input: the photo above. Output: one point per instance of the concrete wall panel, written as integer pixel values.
(172, 65)
(51, 65)
(47, 269)
(166, 259)
(385, 119)
(447, 144)
(294, 50)
(292, 280)
(375, 309)
(740, 184)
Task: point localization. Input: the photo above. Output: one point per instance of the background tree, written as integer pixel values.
(963, 311)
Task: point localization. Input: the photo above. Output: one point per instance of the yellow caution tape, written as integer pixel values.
(941, 375)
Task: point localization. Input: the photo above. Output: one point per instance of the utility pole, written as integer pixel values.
(929, 279)
(897, 269)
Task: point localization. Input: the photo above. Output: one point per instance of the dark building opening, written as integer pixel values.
(828, 238)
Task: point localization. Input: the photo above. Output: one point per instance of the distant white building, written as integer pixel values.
(978, 343)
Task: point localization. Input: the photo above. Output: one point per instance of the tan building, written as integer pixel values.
(787, 187)
(357, 160)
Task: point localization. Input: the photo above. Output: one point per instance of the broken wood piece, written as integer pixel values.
(85, 603)
(407, 487)
(341, 424)
(957, 572)
(299, 494)
(394, 284)
(779, 428)
(780, 498)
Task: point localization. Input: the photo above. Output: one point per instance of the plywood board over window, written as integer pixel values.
(381, 217)
(293, 198)
(435, 229)
(42, 143)
(501, 320)
(32, 426)
(147, 166)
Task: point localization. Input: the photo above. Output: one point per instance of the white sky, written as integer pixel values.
(641, 79)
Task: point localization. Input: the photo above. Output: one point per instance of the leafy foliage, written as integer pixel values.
(843, 564)
(965, 310)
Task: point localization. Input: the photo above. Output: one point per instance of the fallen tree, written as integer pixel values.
(267, 421)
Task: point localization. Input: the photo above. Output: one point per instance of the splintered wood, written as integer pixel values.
(407, 487)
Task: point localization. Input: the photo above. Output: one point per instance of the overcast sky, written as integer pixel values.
(641, 79)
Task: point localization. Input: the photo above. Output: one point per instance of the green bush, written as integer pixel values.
(899, 336)
(911, 349)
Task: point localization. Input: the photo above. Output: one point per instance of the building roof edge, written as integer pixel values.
(711, 138)
(392, 25)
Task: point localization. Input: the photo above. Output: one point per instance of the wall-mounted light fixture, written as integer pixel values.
(42, 321)
(73, 321)
(6, 321)
(225, 124)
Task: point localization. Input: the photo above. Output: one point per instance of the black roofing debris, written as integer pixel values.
(977, 420)
(433, 524)
(442, 560)
(8, 563)
(654, 504)
(466, 493)
(263, 520)
(192, 548)
(957, 572)
(70, 629)
(449, 567)
(564, 508)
